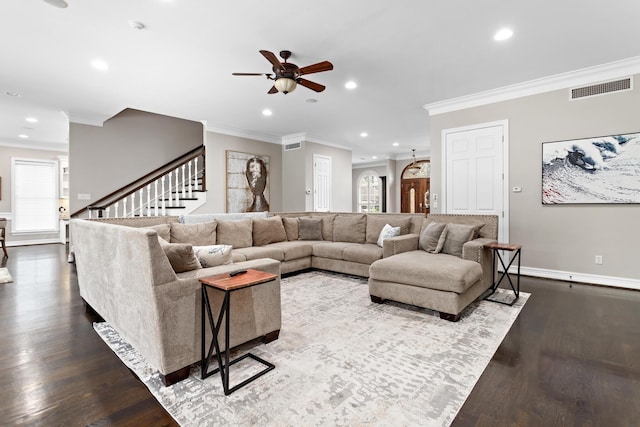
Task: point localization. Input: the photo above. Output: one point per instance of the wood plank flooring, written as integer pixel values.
(572, 358)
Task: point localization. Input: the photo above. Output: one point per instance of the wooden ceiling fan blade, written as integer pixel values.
(311, 85)
(317, 68)
(272, 90)
(271, 57)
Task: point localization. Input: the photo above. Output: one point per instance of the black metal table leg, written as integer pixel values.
(223, 367)
(505, 273)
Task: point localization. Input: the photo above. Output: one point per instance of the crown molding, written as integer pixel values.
(590, 75)
(87, 119)
(36, 145)
(293, 138)
(258, 136)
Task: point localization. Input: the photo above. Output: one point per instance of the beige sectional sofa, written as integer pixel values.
(120, 260)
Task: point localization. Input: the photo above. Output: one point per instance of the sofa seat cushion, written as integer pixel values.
(434, 271)
(364, 254)
(332, 250)
(257, 252)
(237, 256)
(295, 249)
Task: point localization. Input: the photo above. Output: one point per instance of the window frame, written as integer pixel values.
(16, 162)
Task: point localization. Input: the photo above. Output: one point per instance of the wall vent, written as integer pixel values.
(601, 88)
(294, 146)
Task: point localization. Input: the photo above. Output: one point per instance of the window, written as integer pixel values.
(370, 193)
(34, 198)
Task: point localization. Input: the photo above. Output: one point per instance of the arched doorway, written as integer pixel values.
(414, 187)
(372, 193)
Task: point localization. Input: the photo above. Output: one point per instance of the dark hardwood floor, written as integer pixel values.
(572, 358)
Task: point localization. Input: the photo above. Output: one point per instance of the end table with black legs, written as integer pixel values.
(496, 248)
(228, 284)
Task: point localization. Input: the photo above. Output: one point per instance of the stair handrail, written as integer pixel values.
(145, 180)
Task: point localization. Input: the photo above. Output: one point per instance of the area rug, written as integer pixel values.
(342, 360)
(5, 277)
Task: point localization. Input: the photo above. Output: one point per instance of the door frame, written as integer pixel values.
(503, 221)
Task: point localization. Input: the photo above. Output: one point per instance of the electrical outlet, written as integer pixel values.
(598, 259)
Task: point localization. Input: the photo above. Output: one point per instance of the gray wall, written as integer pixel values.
(298, 177)
(563, 237)
(216, 166)
(6, 153)
(127, 147)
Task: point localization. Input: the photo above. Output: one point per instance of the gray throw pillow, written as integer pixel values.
(200, 234)
(457, 236)
(180, 255)
(268, 230)
(432, 237)
(310, 228)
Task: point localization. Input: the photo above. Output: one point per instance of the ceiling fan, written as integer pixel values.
(287, 76)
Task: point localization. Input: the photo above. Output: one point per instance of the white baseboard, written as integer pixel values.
(32, 242)
(618, 282)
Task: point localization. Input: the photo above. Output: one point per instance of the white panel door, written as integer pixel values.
(321, 183)
(474, 172)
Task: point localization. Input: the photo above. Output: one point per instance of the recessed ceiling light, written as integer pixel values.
(99, 64)
(312, 100)
(267, 112)
(395, 144)
(23, 136)
(13, 93)
(503, 34)
(57, 3)
(374, 157)
(364, 134)
(351, 85)
(31, 120)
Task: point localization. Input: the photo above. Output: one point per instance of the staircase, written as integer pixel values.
(179, 187)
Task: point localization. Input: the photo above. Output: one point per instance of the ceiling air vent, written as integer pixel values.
(602, 88)
(294, 146)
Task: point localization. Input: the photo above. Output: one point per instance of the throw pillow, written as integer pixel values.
(327, 225)
(432, 237)
(310, 228)
(213, 255)
(376, 222)
(386, 232)
(268, 230)
(350, 228)
(163, 231)
(235, 233)
(180, 255)
(291, 227)
(457, 236)
(200, 234)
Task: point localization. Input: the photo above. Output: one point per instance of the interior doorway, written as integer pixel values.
(415, 185)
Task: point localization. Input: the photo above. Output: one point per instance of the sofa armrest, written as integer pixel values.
(397, 245)
(474, 250)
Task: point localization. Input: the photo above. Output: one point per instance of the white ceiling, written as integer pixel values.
(402, 55)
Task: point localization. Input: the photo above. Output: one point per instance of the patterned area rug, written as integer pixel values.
(5, 277)
(342, 360)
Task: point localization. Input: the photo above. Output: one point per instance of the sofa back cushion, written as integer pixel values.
(350, 228)
(195, 234)
(433, 236)
(163, 230)
(291, 227)
(310, 228)
(270, 230)
(238, 234)
(375, 224)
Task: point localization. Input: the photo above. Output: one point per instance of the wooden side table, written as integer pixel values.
(227, 284)
(497, 247)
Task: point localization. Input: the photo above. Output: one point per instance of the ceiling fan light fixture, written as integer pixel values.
(62, 4)
(285, 85)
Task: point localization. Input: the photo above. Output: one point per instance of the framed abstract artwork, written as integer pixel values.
(247, 182)
(603, 169)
